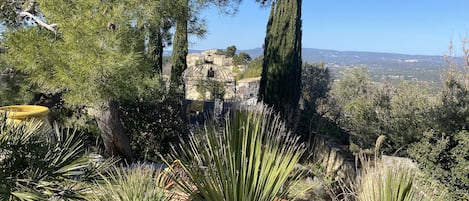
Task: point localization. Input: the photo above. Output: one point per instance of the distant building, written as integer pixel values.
(195, 76)
(209, 56)
(205, 69)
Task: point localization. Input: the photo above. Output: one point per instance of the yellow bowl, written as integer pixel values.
(23, 112)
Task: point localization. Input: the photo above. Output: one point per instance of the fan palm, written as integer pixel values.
(44, 163)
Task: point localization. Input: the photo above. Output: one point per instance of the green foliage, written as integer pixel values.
(443, 152)
(254, 69)
(230, 51)
(12, 89)
(9, 11)
(352, 101)
(316, 83)
(315, 87)
(220, 52)
(241, 59)
(252, 158)
(216, 89)
(38, 163)
(153, 123)
(139, 182)
(235, 70)
(87, 59)
(180, 44)
(280, 86)
(371, 109)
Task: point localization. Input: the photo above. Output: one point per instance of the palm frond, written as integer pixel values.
(41, 163)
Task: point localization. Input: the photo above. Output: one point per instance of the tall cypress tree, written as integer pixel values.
(281, 69)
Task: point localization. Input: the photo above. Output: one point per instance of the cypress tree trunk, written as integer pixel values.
(112, 132)
(280, 85)
(180, 46)
(156, 49)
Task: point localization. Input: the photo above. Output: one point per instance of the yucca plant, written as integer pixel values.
(137, 183)
(252, 158)
(41, 163)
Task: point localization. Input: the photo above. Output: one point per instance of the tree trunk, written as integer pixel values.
(180, 46)
(115, 141)
(156, 47)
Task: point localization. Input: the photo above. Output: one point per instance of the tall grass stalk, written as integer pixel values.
(384, 183)
(381, 181)
(251, 159)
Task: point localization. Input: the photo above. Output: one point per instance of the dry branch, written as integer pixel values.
(50, 27)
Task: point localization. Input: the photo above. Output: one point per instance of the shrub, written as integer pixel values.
(252, 158)
(153, 122)
(369, 109)
(38, 163)
(443, 152)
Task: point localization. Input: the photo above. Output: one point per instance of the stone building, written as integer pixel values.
(209, 56)
(200, 84)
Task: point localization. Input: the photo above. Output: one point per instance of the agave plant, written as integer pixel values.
(252, 158)
(137, 183)
(43, 163)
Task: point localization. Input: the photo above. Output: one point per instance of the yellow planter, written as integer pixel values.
(19, 113)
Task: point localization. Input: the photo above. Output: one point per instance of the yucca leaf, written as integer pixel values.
(252, 158)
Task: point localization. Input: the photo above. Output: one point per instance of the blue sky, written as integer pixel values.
(397, 26)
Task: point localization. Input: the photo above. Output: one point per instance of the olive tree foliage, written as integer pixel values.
(90, 51)
(443, 152)
(369, 110)
(241, 59)
(230, 51)
(352, 105)
(315, 89)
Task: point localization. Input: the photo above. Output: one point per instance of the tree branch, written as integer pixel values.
(50, 27)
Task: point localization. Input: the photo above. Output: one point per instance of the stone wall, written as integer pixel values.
(336, 160)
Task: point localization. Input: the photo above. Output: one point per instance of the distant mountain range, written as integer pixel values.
(380, 65)
(356, 58)
(370, 59)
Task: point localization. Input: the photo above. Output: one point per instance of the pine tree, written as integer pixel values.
(281, 70)
(91, 51)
